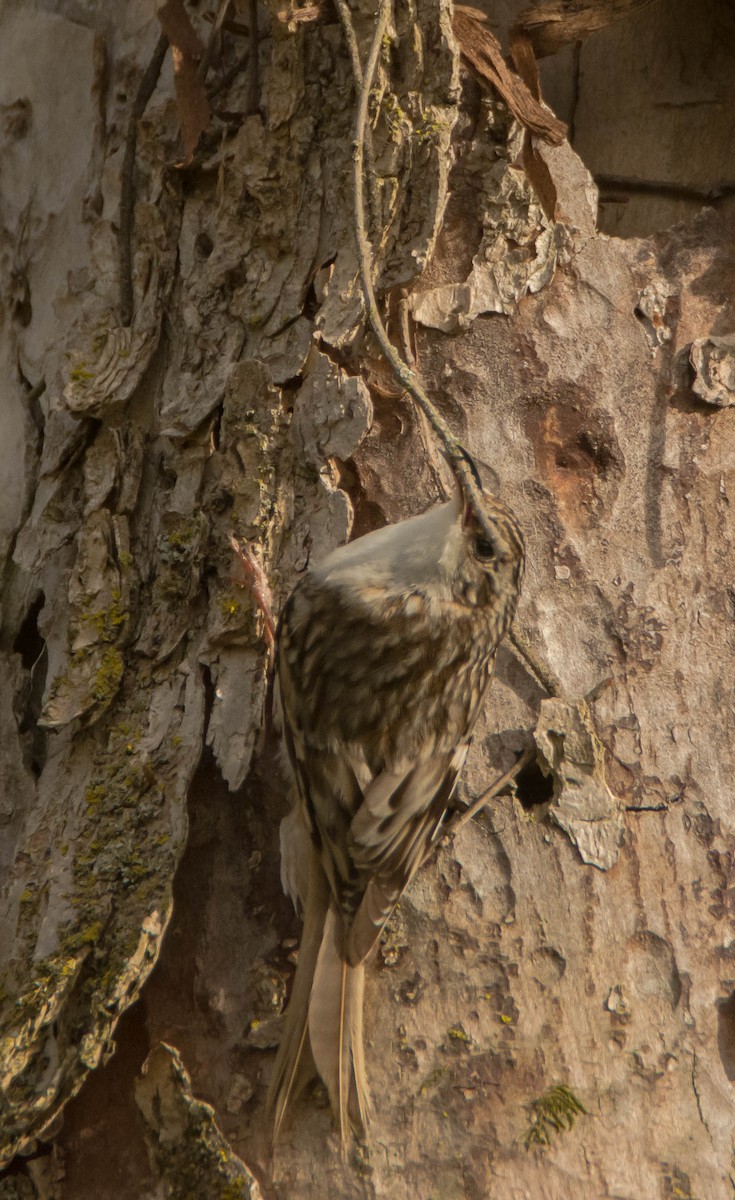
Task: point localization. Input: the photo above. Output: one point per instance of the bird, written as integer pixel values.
(384, 653)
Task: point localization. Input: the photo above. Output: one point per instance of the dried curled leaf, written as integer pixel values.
(191, 96)
(481, 49)
(519, 251)
(536, 168)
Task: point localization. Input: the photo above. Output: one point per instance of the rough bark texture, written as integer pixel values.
(578, 935)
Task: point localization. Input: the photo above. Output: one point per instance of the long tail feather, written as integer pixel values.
(336, 1029)
(289, 1072)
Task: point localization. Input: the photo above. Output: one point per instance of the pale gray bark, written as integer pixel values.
(583, 941)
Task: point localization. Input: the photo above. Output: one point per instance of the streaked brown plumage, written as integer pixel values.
(384, 654)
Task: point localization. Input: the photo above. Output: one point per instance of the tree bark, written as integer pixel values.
(552, 1011)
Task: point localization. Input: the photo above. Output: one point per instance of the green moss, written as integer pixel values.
(395, 117)
(48, 974)
(554, 1112)
(124, 731)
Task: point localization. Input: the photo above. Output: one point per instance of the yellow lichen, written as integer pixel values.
(109, 674)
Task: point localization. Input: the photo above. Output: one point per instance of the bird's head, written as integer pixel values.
(484, 555)
(450, 552)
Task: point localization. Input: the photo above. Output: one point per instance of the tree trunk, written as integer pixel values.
(551, 1013)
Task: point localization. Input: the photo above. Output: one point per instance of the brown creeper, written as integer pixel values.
(384, 653)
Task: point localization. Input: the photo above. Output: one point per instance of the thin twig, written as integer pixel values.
(531, 661)
(477, 805)
(405, 327)
(655, 187)
(127, 181)
(459, 461)
(255, 581)
(253, 96)
(33, 394)
(348, 29)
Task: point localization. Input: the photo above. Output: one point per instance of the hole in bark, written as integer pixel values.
(31, 647)
(203, 245)
(21, 298)
(316, 289)
(29, 644)
(367, 514)
(726, 1035)
(217, 426)
(533, 787)
(310, 306)
(17, 119)
(102, 1138)
(291, 386)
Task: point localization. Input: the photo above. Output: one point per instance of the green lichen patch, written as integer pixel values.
(109, 674)
(180, 549)
(98, 626)
(80, 375)
(117, 904)
(109, 622)
(458, 1034)
(554, 1112)
(106, 365)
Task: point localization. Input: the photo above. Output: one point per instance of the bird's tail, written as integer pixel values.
(324, 1020)
(335, 1027)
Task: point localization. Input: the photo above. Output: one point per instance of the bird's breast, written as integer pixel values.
(397, 675)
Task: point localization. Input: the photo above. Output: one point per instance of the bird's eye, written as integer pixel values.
(484, 548)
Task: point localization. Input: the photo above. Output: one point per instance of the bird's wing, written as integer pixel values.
(296, 848)
(372, 834)
(390, 835)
